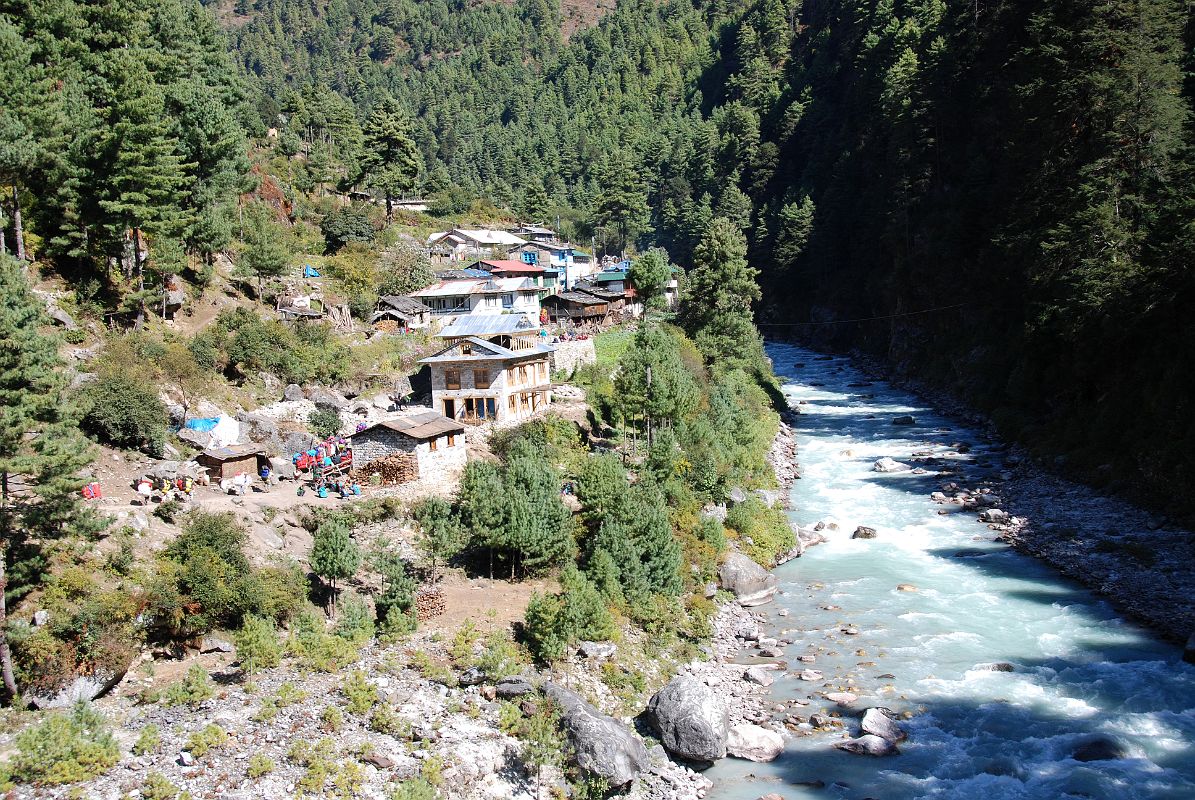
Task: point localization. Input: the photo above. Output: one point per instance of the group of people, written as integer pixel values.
(325, 462)
(179, 487)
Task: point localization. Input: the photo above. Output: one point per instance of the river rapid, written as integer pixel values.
(1079, 671)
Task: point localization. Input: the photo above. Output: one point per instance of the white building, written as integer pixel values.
(461, 244)
(450, 300)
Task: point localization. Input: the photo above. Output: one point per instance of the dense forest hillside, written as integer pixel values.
(1008, 192)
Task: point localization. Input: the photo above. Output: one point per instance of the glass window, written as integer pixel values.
(508, 300)
(481, 378)
(452, 379)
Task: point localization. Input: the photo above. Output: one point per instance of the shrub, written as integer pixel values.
(203, 741)
(64, 748)
(332, 719)
(553, 622)
(415, 789)
(317, 648)
(121, 411)
(356, 620)
(764, 531)
(149, 740)
(324, 421)
(344, 225)
(359, 692)
(259, 765)
(334, 554)
(385, 719)
(257, 645)
(195, 687)
(158, 787)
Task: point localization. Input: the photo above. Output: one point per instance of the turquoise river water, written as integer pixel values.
(1080, 672)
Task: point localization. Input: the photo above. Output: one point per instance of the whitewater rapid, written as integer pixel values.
(1079, 671)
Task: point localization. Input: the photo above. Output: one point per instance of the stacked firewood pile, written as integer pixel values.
(398, 468)
(387, 326)
(429, 603)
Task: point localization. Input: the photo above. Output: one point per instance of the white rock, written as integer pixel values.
(754, 743)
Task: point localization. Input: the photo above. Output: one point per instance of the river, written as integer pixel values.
(1080, 671)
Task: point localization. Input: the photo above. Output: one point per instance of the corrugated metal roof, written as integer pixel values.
(426, 425)
(492, 351)
(487, 325)
(405, 305)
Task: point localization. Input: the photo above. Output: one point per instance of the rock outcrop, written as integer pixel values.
(692, 721)
(84, 687)
(752, 584)
(602, 746)
(868, 745)
(886, 464)
(878, 723)
(864, 532)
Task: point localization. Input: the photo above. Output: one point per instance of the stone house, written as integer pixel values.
(425, 445)
(395, 313)
(225, 463)
(492, 368)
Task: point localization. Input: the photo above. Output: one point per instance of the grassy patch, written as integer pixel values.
(611, 344)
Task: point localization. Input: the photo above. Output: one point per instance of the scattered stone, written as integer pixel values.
(843, 699)
(759, 676)
(693, 722)
(889, 465)
(905, 587)
(995, 666)
(811, 675)
(186, 759)
(752, 584)
(213, 644)
(602, 746)
(41, 617)
(864, 532)
(877, 722)
(598, 650)
(993, 515)
(754, 743)
(1099, 748)
(378, 760)
(904, 419)
(851, 631)
(473, 676)
(868, 745)
(515, 686)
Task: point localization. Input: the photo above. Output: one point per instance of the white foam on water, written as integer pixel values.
(1079, 671)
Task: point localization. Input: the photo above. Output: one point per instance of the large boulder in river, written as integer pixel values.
(1099, 748)
(886, 464)
(602, 746)
(692, 721)
(868, 745)
(904, 419)
(754, 743)
(864, 532)
(752, 584)
(878, 723)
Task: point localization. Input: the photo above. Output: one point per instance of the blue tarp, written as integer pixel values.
(310, 272)
(202, 424)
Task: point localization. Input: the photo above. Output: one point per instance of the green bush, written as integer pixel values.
(359, 692)
(195, 687)
(355, 623)
(764, 532)
(324, 421)
(316, 648)
(257, 646)
(553, 622)
(203, 741)
(158, 787)
(149, 740)
(124, 412)
(385, 719)
(65, 747)
(259, 765)
(414, 789)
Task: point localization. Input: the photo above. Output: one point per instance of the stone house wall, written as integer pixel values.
(378, 443)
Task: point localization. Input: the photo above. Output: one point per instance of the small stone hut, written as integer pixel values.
(422, 445)
(224, 463)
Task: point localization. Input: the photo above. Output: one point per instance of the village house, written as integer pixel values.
(577, 308)
(225, 463)
(535, 233)
(451, 300)
(492, 368)
(571, 264)
(543, 277)
(398, 314)
(461, 244)
(426, 445)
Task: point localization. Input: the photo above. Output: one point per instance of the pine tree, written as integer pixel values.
(794, 226)
(719, 294)
(41, 450)
(621, 214)
(266, 254)
(440, 534)
(650, 274)
(334, 555)
(23, 93)
(391, 161)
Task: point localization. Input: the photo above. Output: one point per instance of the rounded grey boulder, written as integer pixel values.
(752, 584)
(602, 746)
(692, 721)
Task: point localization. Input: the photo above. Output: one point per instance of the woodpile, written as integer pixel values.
(429, 603)
(386, 325)
(395, 469)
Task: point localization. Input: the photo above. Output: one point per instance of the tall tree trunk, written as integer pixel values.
(18, 229)
(10, 681)
(140, 267)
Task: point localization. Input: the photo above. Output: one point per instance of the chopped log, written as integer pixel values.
(393, 469)
(429, 603)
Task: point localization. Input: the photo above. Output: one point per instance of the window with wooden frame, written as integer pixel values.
(510, 401)
(452, 379)
(481, 378)
(451, 439)
(433, 444)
